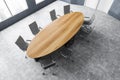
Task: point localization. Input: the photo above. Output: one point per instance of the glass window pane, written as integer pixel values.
(105, 5)
(38, 1)
(91, 3)
(4, 12)
(16, 6)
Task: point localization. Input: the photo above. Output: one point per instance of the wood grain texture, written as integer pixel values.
(55, 35)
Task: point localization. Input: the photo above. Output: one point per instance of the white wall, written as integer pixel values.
(104, 5)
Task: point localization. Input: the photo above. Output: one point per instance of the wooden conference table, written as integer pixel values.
(55, 35)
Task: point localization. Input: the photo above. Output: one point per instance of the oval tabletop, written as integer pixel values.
(55, 35)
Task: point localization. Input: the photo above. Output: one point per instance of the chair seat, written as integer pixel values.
(66, 53)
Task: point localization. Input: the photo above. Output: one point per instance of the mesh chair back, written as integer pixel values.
(34, 28)
(66, 9)
(47, 61)
(21, 43)
(53, 15)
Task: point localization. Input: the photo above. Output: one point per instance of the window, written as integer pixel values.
(8, 8)
(4, 11)
(12, 11)
(103, 5)
(16, 6)
(38, 1)
(91, 3)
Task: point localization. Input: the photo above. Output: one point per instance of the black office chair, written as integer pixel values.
(70, 42)
(87, 28)
(34, 28)
(87, 24)
(88, 20)
(67, 9)
(63, 52)
(66, 53)
(21, 43)
(53, 15)
(46, 61)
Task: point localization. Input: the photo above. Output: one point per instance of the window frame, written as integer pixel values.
(32, 7)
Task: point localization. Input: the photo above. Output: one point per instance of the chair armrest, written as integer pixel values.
(28, 40)
(59, 15)
(39, 27)
(71, 11)
(88, 20)
(86, 17)
(49, 65)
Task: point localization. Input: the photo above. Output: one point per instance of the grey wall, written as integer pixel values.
(66, 0)
(79, 2)
(115, 9)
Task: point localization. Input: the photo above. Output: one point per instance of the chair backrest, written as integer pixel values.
(89, 21)
(92, 18)
(66, 9)
(21, 43)
(34, 28)
(46, 61)
(53, 15)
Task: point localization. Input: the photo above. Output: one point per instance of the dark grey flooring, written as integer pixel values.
(97, 57)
